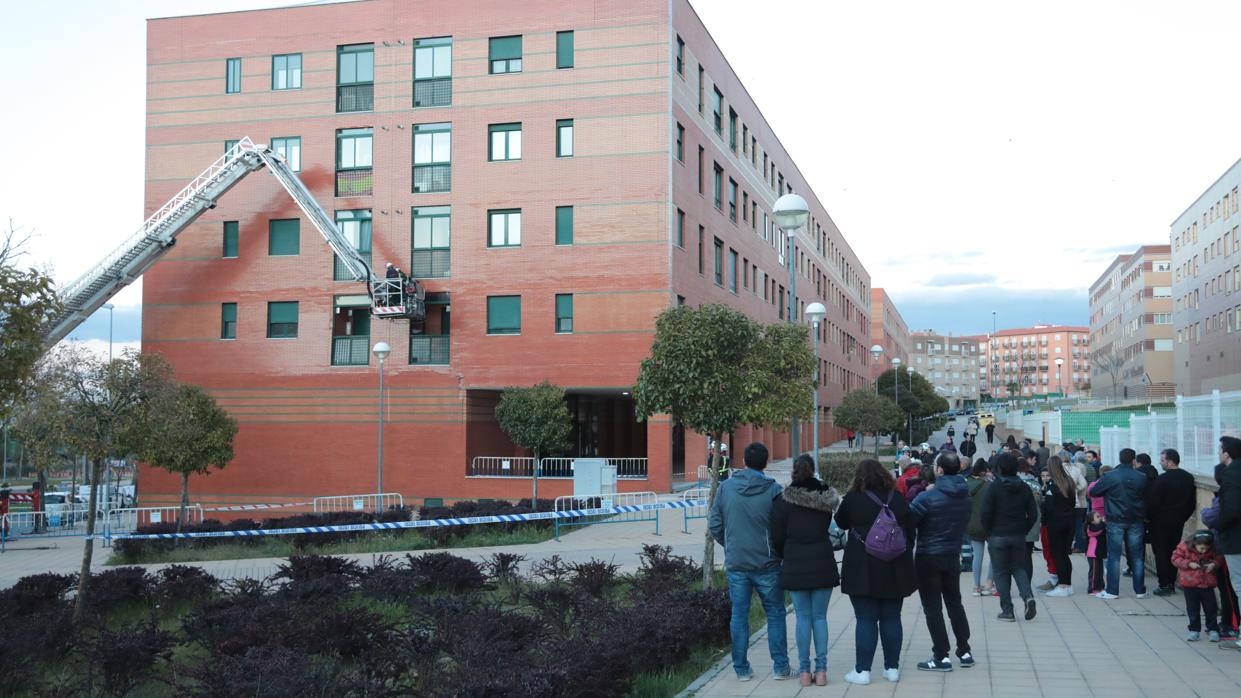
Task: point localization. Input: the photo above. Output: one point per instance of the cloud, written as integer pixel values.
(967, 310)
(126, 325)
(960, 279)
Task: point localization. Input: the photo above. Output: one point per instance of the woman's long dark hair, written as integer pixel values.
(871, 475)
(803, 469)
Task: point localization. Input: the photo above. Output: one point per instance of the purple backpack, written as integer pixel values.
(886, 539)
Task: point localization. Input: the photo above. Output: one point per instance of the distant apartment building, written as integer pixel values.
(888, 330)
(950, 364)
(1039, 361)
(1131, 336)
(1206, 289)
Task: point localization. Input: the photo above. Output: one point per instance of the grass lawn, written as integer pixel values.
(378, 542)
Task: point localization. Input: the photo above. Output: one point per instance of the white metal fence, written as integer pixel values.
(1045, 426)
(600, 501)
(1111, 440)
(119, 521)
(1152, 433)
(551, 468)
(500, 466)
(1201, 420)
(695, 512)
(357, 502)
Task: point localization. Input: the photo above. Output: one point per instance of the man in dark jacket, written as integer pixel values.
(990, 429)
(739, 520)
(968, 449)
(1008, 513)
(1228, 523)
(1173, 499)
(940, 515)
(1043, 454)
(1124, 493)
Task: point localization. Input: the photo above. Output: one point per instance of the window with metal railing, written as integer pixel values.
(431, 236)
(355, 225)
(351, 350)
(430, 349)
(432, 158)
(354, 164)
(355, 78)
(433, 72)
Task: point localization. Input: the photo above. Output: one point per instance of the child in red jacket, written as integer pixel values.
(1096, 550)
(1198, 562)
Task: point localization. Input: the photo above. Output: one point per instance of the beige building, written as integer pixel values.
(888, 330)
(1206, 289)
(950, 363)
(1131, 334)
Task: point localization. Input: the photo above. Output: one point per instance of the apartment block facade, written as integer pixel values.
(554, 173)
(950, 364)
(1131, 335)
(1039, 361)
(888, 330)
(1206, 289)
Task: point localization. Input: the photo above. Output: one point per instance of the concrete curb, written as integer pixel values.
(723, 664)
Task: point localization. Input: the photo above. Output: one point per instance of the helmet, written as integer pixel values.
(1204, 536)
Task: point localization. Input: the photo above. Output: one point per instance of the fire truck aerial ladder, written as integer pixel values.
(390, 298)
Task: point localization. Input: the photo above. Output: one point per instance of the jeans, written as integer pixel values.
(877, 619)
(1164, 538)
(1128, 537)
(1234, 574)
(939, 586)
(741, 585)
(1079, 529)
(1060, 536)
(1227, 600)
(980, 547)
(1201, 600)
(810, 606)
(1008, 560)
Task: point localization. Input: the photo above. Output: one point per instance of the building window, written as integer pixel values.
(228, 321)
(286, 71)
(505, 142)
(432, 239)
(231, 238)
(505, 54)
(351, 331)
(719, 187)
(564, 225)
(432, 158)
(232, 76)
(289, 148)
(564, 138)
(732, 129)
(702, 81)
(702, 232)
(732, 270)
(354, 175)
(283, 237)
(433, 72)
(701, 173)
(719, 262)
(503, 314)
(717, 109)
(504, 228)
(431, 343)
(355, 78)
(1163, 292)
(679, 239)
(229, 145)
(564, 313)
(732, 200)
(356, 226)
(680, 142)
(564, 49)
(282, 320)
(680, 56)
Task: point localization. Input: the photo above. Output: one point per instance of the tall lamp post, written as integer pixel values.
(1059, 384)
(109, 307)
(876, 351)
(910, 371)
(815, 312)
(791, 212)
(381, 351)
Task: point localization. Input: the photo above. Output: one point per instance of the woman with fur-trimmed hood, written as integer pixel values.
(800, 519)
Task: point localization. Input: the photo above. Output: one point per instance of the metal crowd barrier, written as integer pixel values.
(42, 524)
(358, 502)
(551, 468)
(121, 521)
(694, 510)
(617, 499)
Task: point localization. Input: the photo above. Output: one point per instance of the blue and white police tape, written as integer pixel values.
(424, 523)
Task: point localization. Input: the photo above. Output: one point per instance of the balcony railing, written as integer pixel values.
(355, 182)
(434, 92)
(351, 350)
(558, 468)
(429, 178)
(351, 98)
(340, 272)
(429, 349)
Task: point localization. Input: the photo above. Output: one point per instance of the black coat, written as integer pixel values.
(862, 574)
(1172, 498)
(1228, 540)
(800, 519)
(1008, 508)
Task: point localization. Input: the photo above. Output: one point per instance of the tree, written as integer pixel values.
(39, 421)
(917, 395)
(713, 369)
(28, 303)
(104, 406)
(862, 411)
(186, 433)
(1112, 364)
(536, 418)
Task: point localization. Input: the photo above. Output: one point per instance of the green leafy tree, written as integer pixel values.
(536, 418)
(713, 369)
(28, 302)
(917, 396)
(186, 433)
(863, 411)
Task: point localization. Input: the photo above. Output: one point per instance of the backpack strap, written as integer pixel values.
(882, 504)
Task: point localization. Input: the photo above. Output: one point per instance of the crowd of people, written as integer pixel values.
(906, 530)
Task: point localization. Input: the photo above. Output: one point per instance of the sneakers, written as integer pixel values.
(1046, 586)
(1143, 595)
(1007, 616)
(967, 660)
(934, 664)
(745, 677)
(977, 591)
(892, 675)
(1169, 590)
(1193, 636)
(1031, 610)
(1213, 636)
(1230, 645)
(860, 678)
(1106, 596)
(1061, 591)
(781, 676)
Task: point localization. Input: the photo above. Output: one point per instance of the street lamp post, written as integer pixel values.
(109, 308)
(1059, 383)
(876, 351)
(381, 351)
(910, 371)
(791, 212)
(815, 312)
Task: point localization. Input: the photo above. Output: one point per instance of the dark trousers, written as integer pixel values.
(1227, 600)
(1079, 529)
(1060, 538)
(1201, 600)
(1007, 565)
(877, 619)
(1028, 563)
(939, 585)
(1164, 537)
(991, 437)
(1096, 565)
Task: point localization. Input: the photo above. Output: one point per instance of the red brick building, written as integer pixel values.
(1023, 362)
(555, 173)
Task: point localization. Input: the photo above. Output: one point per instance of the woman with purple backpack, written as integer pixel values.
(878, 570)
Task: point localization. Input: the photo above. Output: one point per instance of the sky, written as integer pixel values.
(978, 156)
